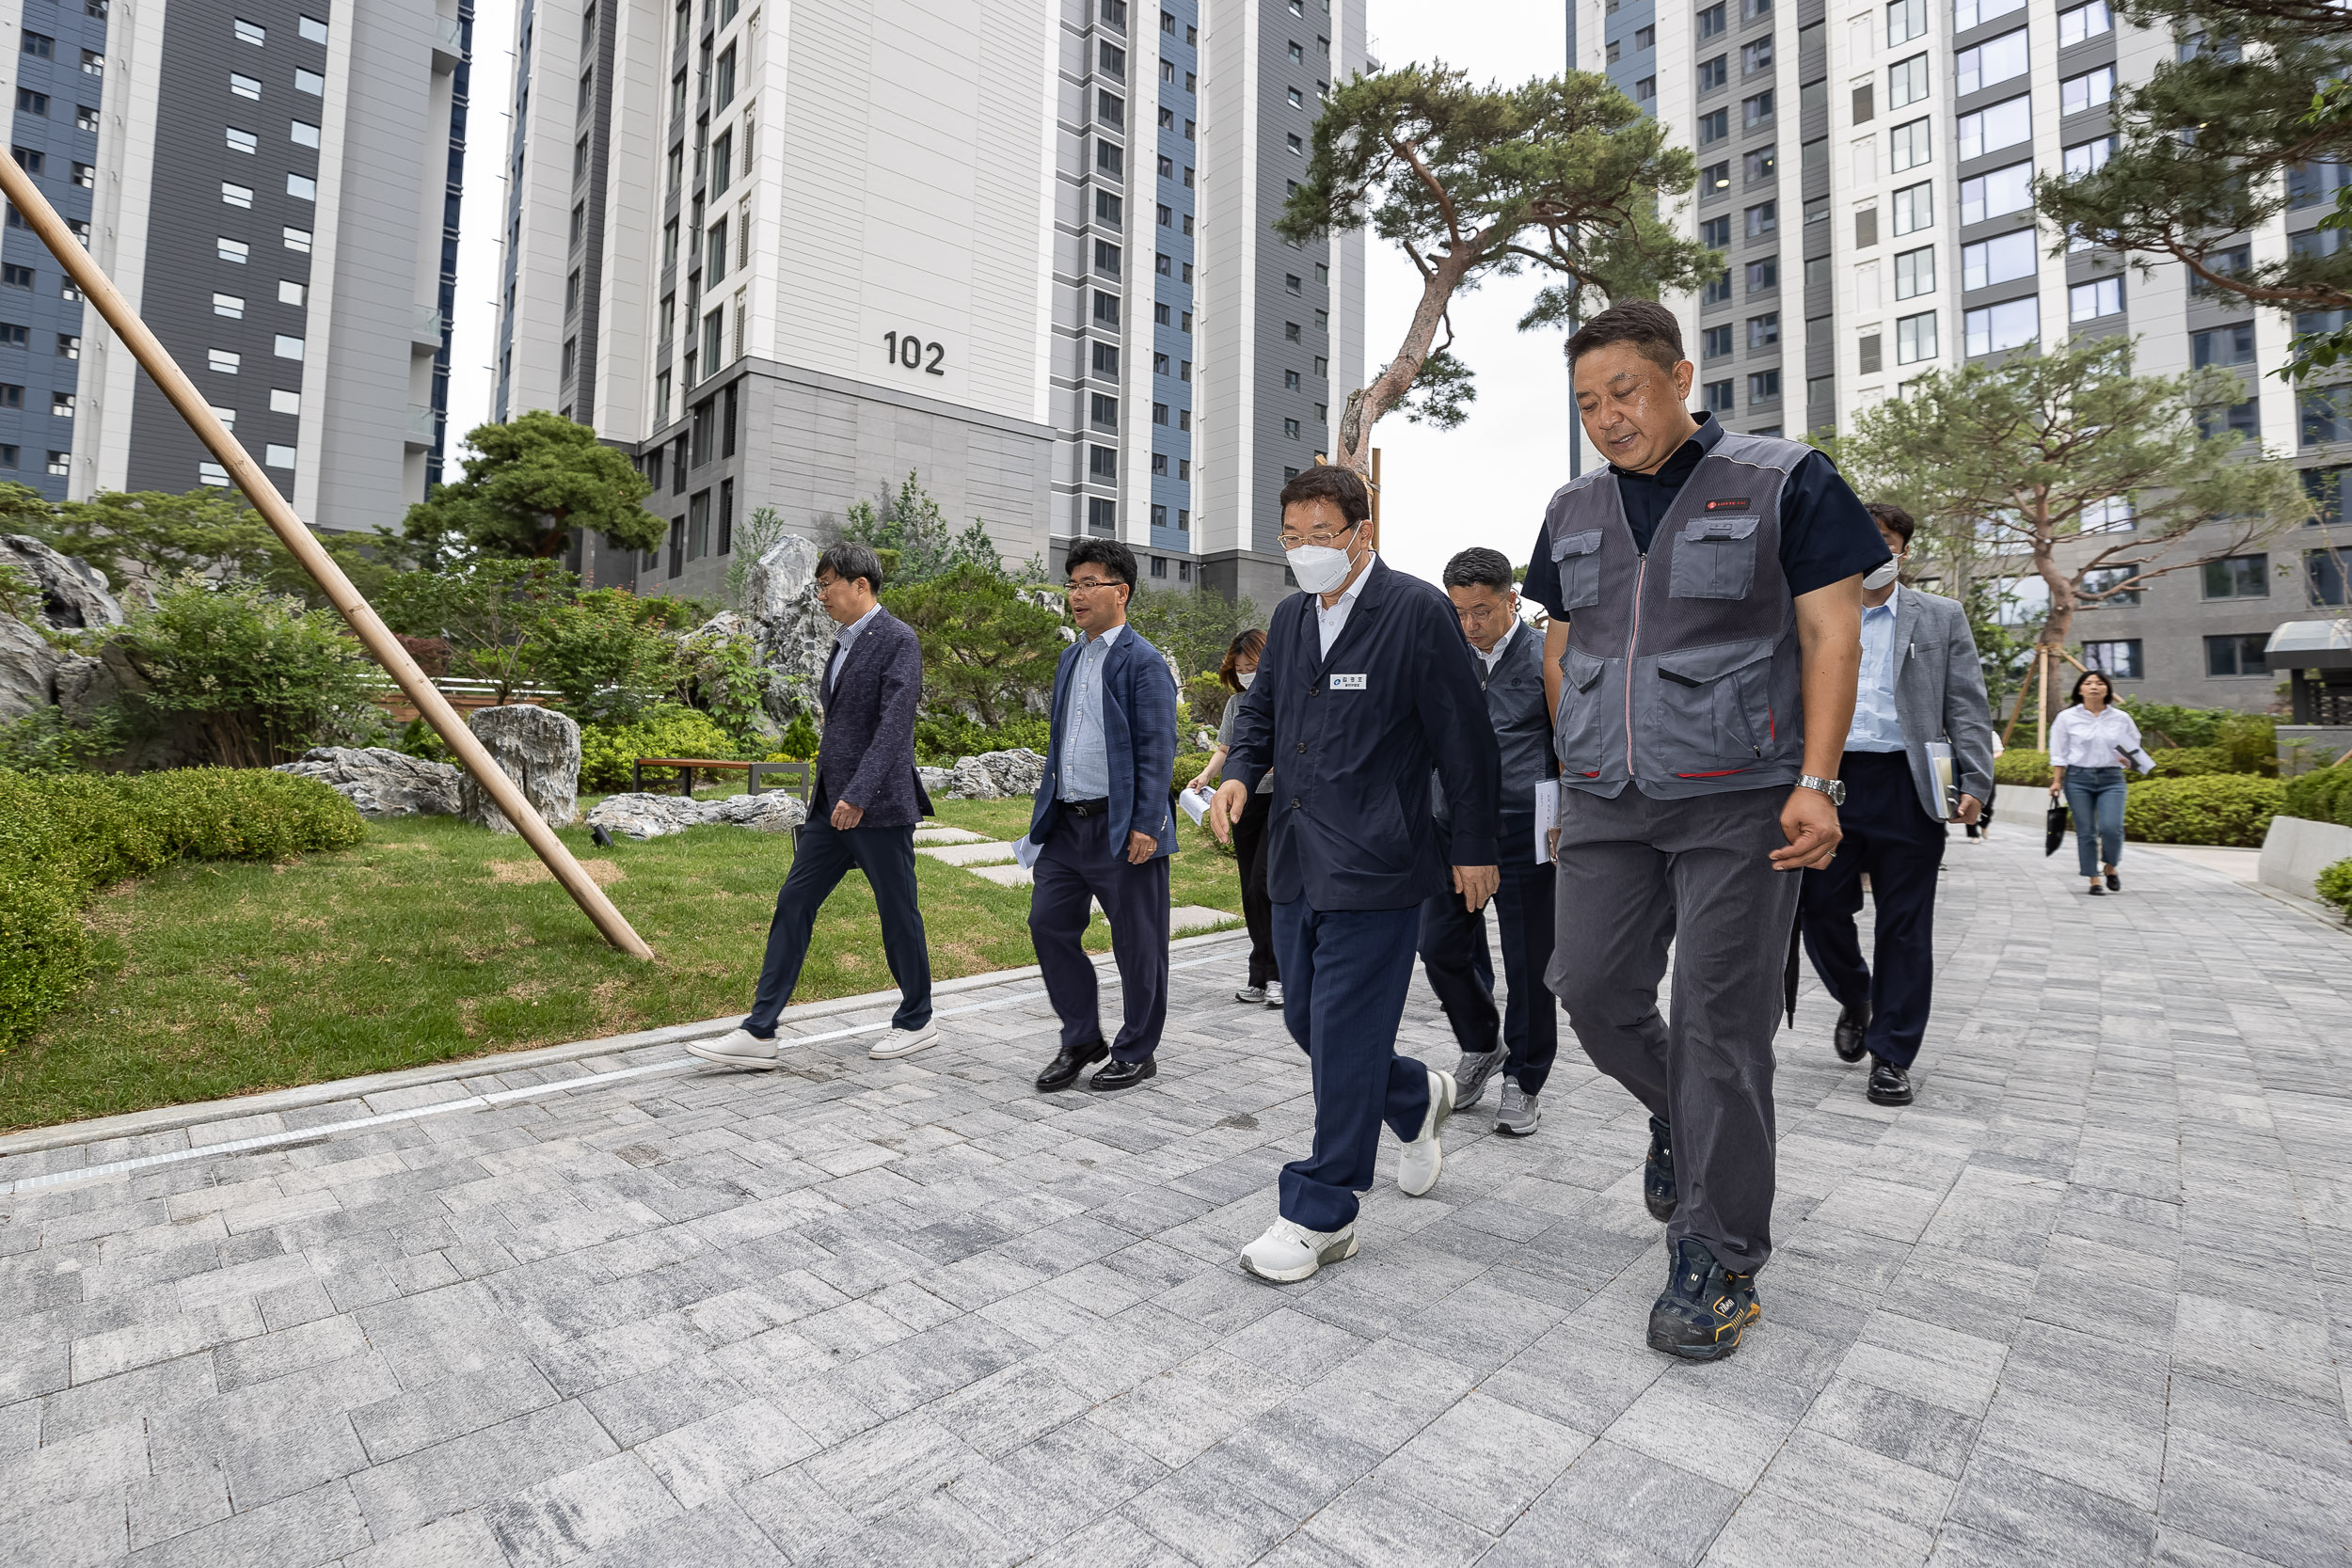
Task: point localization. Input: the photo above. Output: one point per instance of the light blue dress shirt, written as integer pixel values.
(1875, 726)
(1086, 764)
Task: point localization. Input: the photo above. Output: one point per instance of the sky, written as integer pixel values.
(1441, 491)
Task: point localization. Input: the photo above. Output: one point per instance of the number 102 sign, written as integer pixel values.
(911, 352)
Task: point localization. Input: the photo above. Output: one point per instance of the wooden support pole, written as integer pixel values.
(378, 640)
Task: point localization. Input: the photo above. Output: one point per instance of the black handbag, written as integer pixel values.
(2055, 832)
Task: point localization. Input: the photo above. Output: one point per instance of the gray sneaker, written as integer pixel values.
(1470, 1075)
(1517, 1118)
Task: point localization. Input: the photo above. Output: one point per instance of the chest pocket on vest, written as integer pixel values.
(1576, 557)
(1715, 558)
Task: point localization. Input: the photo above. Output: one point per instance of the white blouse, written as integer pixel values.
(2081, 738)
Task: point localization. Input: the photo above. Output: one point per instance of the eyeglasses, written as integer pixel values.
(1320, 541)
(1088, 585)
(1478, 614)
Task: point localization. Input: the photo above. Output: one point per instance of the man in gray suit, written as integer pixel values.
(1920, 684)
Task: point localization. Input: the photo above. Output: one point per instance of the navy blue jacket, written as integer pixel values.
(866, 757)
(1352, 740)
(1522, 726)
(1139, 743)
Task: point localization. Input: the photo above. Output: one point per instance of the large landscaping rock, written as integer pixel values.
(935, 781)
(790, 630)
(539, 749)
(993, 775)
(379, 782)
(648, 815)
(74, 596)
(28, 669)
(770, 812)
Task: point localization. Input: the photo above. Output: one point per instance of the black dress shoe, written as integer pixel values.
(1658, 1192)
(1889, 1084)
(1124, 1075)
(1852, 1022)
(1068, 1064)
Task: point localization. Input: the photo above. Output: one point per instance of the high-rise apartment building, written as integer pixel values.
(1867, 171)
(274, 184)
(787, 257)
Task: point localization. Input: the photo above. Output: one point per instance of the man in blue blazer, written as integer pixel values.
(1104, 827)
(1364, 690)
(861, 816)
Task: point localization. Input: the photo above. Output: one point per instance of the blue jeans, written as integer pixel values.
(2095, 795)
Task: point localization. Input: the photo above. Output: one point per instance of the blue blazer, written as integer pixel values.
(1353, 740)
(866, 755)
(1139, 729)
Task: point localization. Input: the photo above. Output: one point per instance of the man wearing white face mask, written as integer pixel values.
(1920, 685)
(1363, 689)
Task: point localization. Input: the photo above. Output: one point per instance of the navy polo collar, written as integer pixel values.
(1686, 457)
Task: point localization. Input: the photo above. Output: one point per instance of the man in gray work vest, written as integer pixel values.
(1705, 597)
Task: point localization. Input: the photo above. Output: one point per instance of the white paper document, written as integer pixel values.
(1196, 804)
(1025, 852)
(1547, 817)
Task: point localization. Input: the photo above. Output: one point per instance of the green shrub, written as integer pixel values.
(43, 741)
(2190, 762)
(2216, 808)
(665, 730)
(943, 739)
(62, 838)
(2334, 886)
(2248, 741)
(1188, 765)
(2018, 766)
(2322, 795)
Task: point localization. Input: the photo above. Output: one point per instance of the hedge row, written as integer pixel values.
(64, 837)
(2322, 795)
(2211, 808)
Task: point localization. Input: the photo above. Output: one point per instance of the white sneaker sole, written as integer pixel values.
(902, 1042)
(754, 1064)
(1338, 1252)
(1442, 1108)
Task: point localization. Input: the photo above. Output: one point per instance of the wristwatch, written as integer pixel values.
(1834, 788)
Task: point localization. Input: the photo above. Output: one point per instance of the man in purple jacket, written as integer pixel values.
(861, 815)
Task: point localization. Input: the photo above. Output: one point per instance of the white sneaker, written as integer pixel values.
(1289, 1252)
(736, 1048)
(1254, 995)
(903, 1042)
(1417, 1172)
(1274, 994)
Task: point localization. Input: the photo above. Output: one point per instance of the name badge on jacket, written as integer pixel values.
(1347, 682)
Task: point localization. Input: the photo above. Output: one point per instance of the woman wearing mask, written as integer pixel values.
(1249, 829)
(2090, 743)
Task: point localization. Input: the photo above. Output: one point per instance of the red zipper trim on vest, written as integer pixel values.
(1719, 773)
(1633, 637)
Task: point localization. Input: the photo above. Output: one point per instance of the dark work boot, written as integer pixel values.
(1889, 1084)
(1852, 1022)
(1704, 1309)
(1657, 1177)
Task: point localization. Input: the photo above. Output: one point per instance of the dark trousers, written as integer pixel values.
(1890, 836)
(1635, 875)
(1076, 868)
(822, 854)
(1257, 910)
(1345, 973)
(1454, 956)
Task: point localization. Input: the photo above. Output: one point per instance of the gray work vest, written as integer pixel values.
(1681, 670)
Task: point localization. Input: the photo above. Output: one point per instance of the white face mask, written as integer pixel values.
(1244, 678)
(1318, 568)
(1880, 577)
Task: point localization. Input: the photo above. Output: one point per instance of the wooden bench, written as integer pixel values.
(798, 776)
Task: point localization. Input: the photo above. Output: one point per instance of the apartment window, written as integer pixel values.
(206, 473)
(1906, 20)
(13, 336)
(2238, 654)
(1714, 179)
(2238, 577)
(1763, 387)
(1762, 219)
(1299, 148)
(2222, 346)
(1914, 337)
(1907, 146)
(1102, 463)
(277, 456)
(1159, 413)
(1712, 22)
(2101, 296)
(223, 360)
(1915, 273)
(1298, 56)
(2084, 22)
(723, 163)
(302, 132)
(1102, 412)
(1764, 276)
(1715, 232)
(1290, 429)
(250, 32)
(39, 45)
(1863, 109)
(2324, 571)
(61, 462)
(2002, 190)
(1907, 82)
(1718, 289)
(1644, 38)
(1111, 59)
(2000, 259)
(236, 195)
(723, 87)
(232, 250)
(1817, 272)
(1764, 331)
(1106, 308)
(230, 305)
(1610, 57)
(1106, 257)
(1868, 363)
(2087, 91)
(11, 396)
(1107, 360)
(1914, 208)
(1720, 398)
(1759, 165)
(309, 82)
(661, 415)
(2008, 123)
(2090, 156)
(1714, 126)
(717, 265)
(669, 243)
(84, 119)
(1111, 109)
(2119, 658)
(2326, 415)
(302, 187)
(311, 29)
(1755, 111)
(2009, 324)
(1715, 341)
(1714, 73)
(31, 103)
(1757, 55)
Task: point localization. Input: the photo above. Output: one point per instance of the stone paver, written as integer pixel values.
(2089, 1301)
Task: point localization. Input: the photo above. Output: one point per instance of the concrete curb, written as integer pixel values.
(168, 1118)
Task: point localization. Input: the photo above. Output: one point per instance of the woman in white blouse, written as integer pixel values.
(2090, 743)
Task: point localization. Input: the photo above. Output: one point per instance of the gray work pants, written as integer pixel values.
(1636, 874)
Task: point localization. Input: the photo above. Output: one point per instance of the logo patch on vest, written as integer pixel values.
(1727, 505)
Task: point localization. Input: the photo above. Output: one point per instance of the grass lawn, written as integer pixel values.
(432, 939)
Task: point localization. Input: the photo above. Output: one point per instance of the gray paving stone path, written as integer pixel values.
(2088, 1302)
